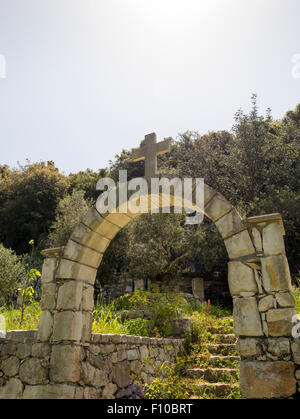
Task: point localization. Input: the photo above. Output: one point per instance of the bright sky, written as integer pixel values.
(86, 78)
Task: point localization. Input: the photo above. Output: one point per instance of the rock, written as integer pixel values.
(241, 278)
(23, 350)
(121, 374)
(132, 354)
(45, 326)
(267, 379)
(144, 352)
(41, 350)
(49, 391)
(246, 316)
(266, 303)
(296, 351)
(65, 363)
(13, 389)
(69, 295)
(10, 366)
(248, 347)
(67, 326)
(276, 274)
(48, 300)
(93, 376)
(279, 347)
(285, 299)
(280, 321)
(273, 242)
(32, 372)
(109, 391)
(239, 245)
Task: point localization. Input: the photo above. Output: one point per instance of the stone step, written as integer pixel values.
(221, 348)
(217, 359)
(212, 375)
(213, 389)
(220, 329)
(224, 338)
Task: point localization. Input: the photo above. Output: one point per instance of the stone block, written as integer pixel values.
(266, 303)
(49, 391)
(88, 298)
(67, 326)
(48, 300)
(280, 321)
(144, 352)
(13, 389)
(99, 224)
(109, 391)
(217, 207)
(69, 295)
(257, 239)
(239, 245)
(248, 347)
(48, 270)
(121, 374)
(285, 299)
(82, 254)
(87, 237)
(296, 351)
(273, 242)
(32, 372)
(65, 363)
(132, 354)
(229, 223)
(276, 274)
(266, 379)
(74, 270)
(10, 366)
(45, 326)
(279, 347)
(41, 350)
(241, 278)
(23, 350)
(246, 316)
(93, 376)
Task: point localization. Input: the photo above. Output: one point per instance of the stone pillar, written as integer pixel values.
(198, 288)
(264, 306)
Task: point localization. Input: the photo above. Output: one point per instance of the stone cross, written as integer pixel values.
(149, 151)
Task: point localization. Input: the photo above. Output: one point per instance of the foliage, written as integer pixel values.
(26, 292)
(137, 327)
(12, 271)
(68, 213)
(13, 315)
(28, 199)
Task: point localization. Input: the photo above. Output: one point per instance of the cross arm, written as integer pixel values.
(163, 147)
(138, 154)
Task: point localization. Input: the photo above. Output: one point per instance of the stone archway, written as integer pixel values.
(259, 282)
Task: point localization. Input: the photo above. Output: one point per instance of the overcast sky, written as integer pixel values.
(86, 78)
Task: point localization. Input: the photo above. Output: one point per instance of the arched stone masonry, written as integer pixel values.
(259, 281)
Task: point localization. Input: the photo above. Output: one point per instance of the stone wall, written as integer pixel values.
(108, 366)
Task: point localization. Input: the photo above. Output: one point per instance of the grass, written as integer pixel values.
(297, 299)
(13, 317)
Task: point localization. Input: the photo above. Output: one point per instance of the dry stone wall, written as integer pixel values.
(112, 366)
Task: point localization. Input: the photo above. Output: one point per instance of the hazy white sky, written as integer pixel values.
(86, 78)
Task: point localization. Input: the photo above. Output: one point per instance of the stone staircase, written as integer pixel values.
(220, 375)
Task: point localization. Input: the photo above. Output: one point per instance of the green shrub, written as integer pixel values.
(137, 327)
(12, 271)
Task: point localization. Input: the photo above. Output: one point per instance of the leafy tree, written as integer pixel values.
(86, 181)
(12, 271)
(28, 199)
(68, 213)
